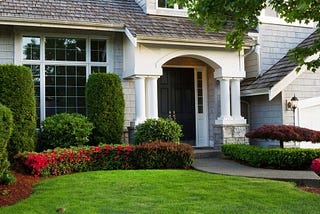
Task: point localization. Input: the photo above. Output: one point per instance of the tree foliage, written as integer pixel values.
(241, 16)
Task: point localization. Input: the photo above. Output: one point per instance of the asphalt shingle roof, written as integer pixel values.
(120, 13)
(278, 71)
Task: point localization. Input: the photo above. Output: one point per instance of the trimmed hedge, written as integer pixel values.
(156, 155)
(276, 158)
(163, 155)
(17, 93)
(105, 107)
(6, 123)
(165, 130)
(65, 161)
(64, 130)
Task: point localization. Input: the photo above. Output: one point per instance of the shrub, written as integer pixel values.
(163, 155)
(64, 130)
(165, 130)
(285, 133)
(291, 158)
(6, 123)
(7, 178)
(157, 155)
(105, 107)
(315, 165)
(17, 93)
(81, 159)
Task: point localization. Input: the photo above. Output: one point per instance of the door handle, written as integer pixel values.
(174, 115)
(170, 116)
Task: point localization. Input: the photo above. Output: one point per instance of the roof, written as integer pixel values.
(276, 73)
(119, 14)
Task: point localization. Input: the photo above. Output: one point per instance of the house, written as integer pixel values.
(169, 67)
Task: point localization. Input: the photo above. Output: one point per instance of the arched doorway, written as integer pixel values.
(176, 100)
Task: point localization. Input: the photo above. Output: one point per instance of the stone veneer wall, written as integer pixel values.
(230, 134)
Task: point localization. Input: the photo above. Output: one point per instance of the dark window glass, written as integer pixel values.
(31, 48)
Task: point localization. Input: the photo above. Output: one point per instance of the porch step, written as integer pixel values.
(202, 153)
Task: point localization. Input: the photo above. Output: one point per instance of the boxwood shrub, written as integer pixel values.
(64, 130)
(163, 155)
(288, 158)
(105, 107)
(17, 93)
(165, 130)
(6, 123)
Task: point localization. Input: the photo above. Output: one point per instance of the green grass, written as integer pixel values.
(164, 191)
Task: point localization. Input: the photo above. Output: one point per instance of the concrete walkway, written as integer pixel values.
(219, 165)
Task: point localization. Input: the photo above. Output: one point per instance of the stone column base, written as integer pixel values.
(230, 134)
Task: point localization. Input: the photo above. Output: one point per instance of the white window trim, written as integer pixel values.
(42, 62)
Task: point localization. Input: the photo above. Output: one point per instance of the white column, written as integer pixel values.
(140, 95)
(236, 102)
(225, 101)
(152, 97)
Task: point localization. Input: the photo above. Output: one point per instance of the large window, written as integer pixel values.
(60, 68)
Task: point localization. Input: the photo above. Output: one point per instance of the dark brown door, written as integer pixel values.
(176, 99)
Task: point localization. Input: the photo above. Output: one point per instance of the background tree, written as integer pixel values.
(240, 16)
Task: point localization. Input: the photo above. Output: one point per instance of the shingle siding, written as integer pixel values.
(6, 45)
(263, 111)
(276, 40)
(307, 85)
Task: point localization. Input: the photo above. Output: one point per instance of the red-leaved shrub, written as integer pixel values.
(285, 133)
(315, 165)
(65, 161)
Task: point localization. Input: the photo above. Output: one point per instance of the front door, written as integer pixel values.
(176, 100)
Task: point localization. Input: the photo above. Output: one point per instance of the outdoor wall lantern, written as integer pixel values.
(293, 103)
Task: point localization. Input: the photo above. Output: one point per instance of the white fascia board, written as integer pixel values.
(255, 92)
(61, 24)
(132, 39)
(184, 42)
(282, 84)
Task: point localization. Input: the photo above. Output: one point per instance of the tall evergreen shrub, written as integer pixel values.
(5, 133)
(17, 93)
(105, 107)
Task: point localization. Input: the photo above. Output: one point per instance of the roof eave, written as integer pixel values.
(254, 92)
(62, 24)
(289, 78)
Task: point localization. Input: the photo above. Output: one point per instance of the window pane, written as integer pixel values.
(98, 69)
(98, 50)
(31, 48)
(65, 49)
(68, 91)
(36, 79)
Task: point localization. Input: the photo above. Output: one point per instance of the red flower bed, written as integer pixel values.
(65, 161)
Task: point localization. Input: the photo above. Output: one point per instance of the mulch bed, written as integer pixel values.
(22, 188)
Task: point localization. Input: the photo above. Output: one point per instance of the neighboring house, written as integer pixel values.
(168, 66)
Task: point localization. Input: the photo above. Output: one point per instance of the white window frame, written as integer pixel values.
(18, 59)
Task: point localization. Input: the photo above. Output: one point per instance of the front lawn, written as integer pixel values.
(164, 191)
